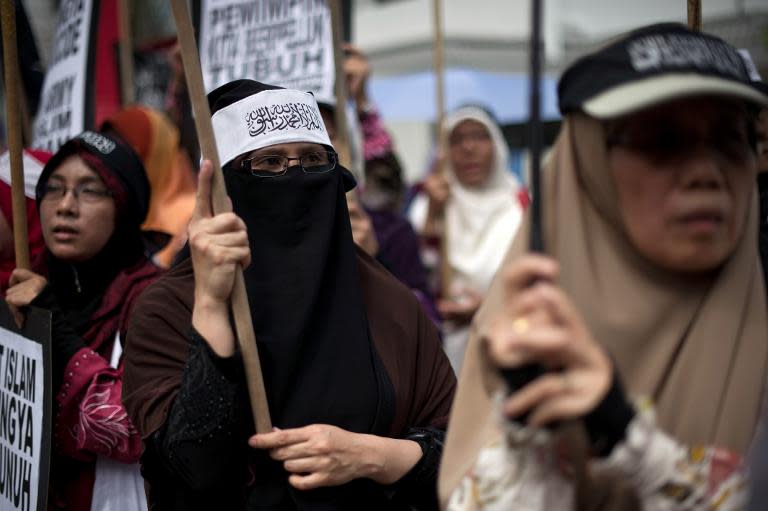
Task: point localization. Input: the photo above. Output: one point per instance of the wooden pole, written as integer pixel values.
(534, 127)
(694, 15)
(240, 309)
(340, 89)
(126, 53)
(438, 65)
(13, 129)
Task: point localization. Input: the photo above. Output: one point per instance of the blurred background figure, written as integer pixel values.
(378, 225)
(479, 203)
(156, 141)
(33, 166)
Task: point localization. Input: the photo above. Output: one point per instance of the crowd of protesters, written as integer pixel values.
(415, 354)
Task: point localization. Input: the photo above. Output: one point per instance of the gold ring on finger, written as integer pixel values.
(520, 325)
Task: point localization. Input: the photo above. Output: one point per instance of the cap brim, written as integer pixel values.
(630, 97)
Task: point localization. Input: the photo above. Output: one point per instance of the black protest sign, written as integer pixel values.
(25, 410)
(276, 42)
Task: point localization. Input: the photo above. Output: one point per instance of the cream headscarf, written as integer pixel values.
(699, 349)
(481, 221)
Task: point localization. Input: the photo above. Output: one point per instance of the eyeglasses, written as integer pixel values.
(85, 192)
(272, 165)
(669, 142)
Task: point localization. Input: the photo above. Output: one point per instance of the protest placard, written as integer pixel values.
(62, 110)
(25, 410)
(280, 43)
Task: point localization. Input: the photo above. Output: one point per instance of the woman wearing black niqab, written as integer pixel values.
(355, 377)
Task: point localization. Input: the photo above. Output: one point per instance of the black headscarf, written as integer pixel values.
(79, 286)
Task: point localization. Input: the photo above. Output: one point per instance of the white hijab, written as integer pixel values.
(480, 221)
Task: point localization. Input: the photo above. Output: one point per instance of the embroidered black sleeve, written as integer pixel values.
(202, 441)
(418, 488)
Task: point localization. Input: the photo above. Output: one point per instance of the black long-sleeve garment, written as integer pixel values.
(199, 452)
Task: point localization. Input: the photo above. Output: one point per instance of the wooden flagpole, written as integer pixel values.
(438, 65)
(126, 53)
(240, 309)
(694, 15)
(13, 130)
(340, 89)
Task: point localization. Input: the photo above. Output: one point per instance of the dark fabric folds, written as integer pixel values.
(340, 340)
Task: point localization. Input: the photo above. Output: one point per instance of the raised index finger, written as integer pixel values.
(203, 198)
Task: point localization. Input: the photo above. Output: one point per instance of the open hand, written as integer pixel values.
(318, 455)
(322, 455)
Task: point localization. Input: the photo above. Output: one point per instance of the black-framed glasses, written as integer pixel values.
(272, 165)
(85, 192)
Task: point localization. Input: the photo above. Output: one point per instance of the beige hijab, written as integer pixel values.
(699, 349)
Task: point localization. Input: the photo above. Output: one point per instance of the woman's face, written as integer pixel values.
(471, 152)
(684, 174)
(76, 226)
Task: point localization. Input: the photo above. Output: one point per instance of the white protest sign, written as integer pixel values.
(21, 421)
(285, 43)
(61, 114)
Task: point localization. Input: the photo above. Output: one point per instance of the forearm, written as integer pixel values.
(210, 318)
(392, 458)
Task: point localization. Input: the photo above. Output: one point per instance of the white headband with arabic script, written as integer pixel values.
(270, 117)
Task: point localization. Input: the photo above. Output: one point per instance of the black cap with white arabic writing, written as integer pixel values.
(655, 64)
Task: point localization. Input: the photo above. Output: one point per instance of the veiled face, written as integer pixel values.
(471, 152)
(684, 174)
